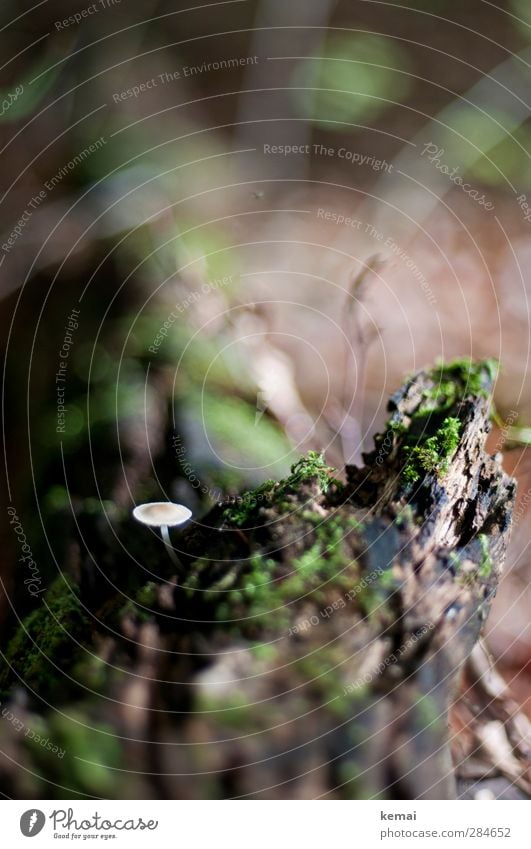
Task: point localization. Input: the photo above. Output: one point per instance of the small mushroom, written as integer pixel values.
(163, 515)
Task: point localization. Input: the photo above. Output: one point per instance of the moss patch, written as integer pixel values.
(426, 438)
(47, 640)
(432, 454)
(312, 467)
(267, 588)
(431, 440)
(485, 564)
(456, 380)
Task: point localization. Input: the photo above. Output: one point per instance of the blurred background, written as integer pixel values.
(228, 231)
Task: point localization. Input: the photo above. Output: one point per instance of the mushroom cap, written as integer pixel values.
(159, 513)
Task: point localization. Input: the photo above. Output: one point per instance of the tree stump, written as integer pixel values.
(312, 641)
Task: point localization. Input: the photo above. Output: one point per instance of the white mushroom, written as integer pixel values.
(163, 515)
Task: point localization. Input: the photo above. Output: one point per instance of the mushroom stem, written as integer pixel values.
(167, 542)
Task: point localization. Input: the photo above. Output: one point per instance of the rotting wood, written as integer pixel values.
(313, 643)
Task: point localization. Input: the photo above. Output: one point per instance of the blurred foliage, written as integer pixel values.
(30, 94)
(491, 146)
(353, 79)
(509, 158)
(432, 6)
(238, 438)
(96, 749)
(521, 9)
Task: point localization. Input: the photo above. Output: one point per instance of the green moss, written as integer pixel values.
(311, 466)
(467, 579)
(387, 580)
(482, 571)
(485, 565)
(147, 594)
(141, 604)
(231, 710)
(454, 381)
(264, 652)
(322, 671)
(427, 441)
(396, 425)
(475, 376)
(247, 504)
(266, 589)
(47, 637)
(94, 672)
(373, 599)
(433, 453)
(455, 560)
(407, 518)
(312, 517)
(308, 468)
(263, 594)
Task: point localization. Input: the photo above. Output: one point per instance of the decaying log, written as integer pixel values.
(312, 642)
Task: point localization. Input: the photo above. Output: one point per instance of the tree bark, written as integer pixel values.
(313, 641)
